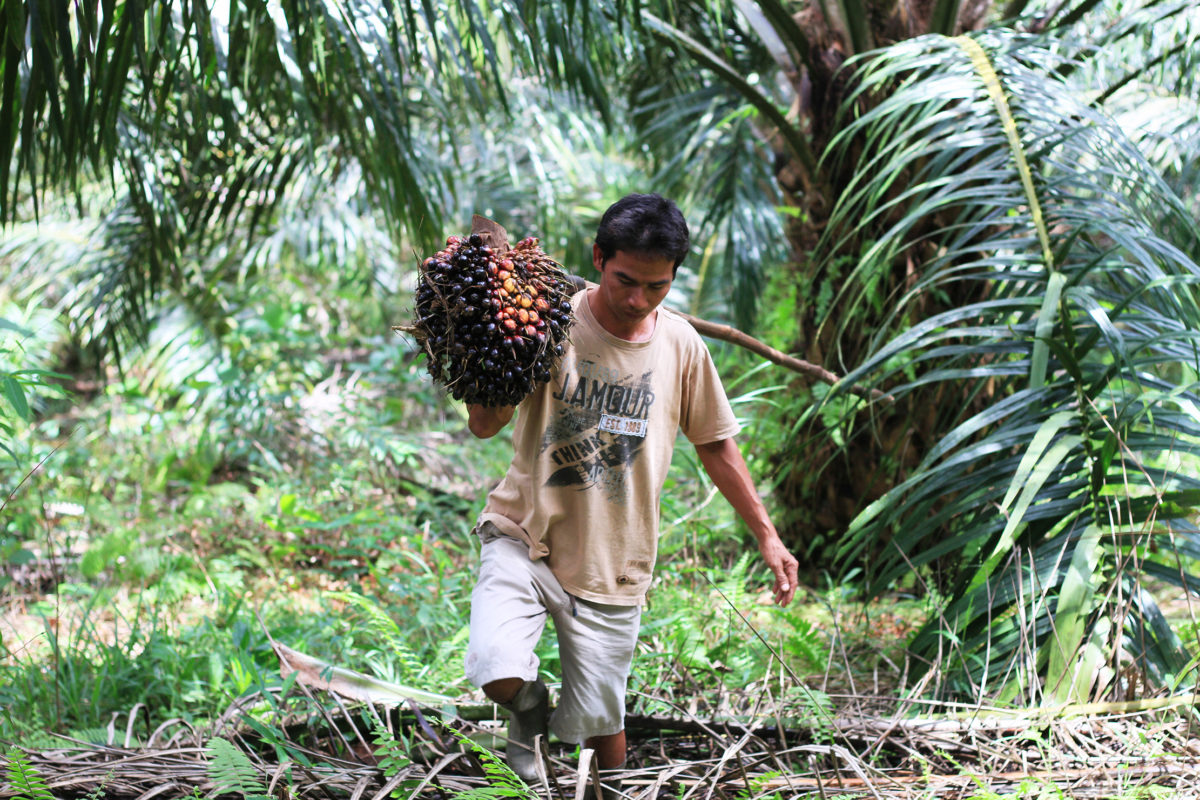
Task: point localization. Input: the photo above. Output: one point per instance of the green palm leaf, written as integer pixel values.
(1075, 355)
(205, 125)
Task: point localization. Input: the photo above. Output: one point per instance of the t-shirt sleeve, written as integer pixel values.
(706, 415)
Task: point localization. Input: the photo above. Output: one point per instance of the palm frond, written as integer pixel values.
(731, 76)
(945, 17)
(852, 15)
(1079, 346)
(714, 151)
(1148, 42)
(778, 23)
(227, 108)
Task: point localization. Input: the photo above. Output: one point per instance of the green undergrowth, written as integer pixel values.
(173, 528)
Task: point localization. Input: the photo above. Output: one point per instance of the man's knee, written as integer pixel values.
(503, 690)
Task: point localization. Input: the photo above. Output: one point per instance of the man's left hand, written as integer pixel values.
(783, 566)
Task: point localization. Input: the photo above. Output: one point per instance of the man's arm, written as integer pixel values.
(486, 421)
(723, 462)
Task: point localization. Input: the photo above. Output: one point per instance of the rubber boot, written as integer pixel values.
(609, 787)
(527, 711)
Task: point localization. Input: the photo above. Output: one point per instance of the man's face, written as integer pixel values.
(632, 284)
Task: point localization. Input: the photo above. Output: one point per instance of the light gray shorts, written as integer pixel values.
(510, 603)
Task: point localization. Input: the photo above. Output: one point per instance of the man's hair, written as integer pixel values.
(648, 224)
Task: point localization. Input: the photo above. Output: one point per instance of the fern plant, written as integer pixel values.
(231, 770)
(733, 587)
(100, 791)
(391, 755)
(729, 648)
(385, 632)
(502, 782)
(23, 777)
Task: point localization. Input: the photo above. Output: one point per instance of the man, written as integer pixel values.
(571, 531)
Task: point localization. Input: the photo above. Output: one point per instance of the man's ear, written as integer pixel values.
(597, 258)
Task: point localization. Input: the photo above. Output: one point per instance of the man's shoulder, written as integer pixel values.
(678, 329)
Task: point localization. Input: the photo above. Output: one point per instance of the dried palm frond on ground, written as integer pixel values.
(1091, 757)
(319, 741)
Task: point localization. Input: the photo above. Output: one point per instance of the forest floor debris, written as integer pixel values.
(363, 751)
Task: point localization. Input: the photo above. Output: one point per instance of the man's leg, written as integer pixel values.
(610, 750)
(528, 706)
(596, 646)
(507, 616)
(503, 690)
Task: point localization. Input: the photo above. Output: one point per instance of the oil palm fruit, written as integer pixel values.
(491, 319)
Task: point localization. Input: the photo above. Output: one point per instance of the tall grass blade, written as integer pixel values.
(1072, 668)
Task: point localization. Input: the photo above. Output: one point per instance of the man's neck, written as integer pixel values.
(642, 331)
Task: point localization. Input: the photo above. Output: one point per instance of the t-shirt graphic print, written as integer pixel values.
(600, 428)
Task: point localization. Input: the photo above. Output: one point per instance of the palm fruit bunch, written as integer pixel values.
(491, 319)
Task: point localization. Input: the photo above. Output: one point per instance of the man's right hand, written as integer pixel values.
(486, 421)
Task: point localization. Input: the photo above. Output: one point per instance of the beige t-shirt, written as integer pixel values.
(592, 448)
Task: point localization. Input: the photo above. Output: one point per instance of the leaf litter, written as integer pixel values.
(330, 732)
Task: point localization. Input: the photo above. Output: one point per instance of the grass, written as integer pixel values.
(175, 619)
(149, 558)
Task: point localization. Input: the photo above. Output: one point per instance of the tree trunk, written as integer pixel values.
(822, 485)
